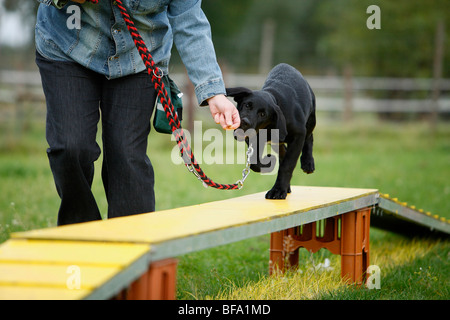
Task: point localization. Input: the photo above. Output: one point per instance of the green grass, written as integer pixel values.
(410, 269)
(405, 160)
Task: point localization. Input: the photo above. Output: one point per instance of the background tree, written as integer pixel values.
(403, 47)
(317, 36)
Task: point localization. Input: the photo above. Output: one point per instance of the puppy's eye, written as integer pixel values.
(262, 114)
(249, 105)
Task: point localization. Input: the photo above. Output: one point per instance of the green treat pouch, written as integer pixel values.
(160, 121)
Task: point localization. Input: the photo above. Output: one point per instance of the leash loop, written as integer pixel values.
(158, 73)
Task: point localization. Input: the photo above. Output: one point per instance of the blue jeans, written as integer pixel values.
(76, 100)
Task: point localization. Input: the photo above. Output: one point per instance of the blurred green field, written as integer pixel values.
(406, 160)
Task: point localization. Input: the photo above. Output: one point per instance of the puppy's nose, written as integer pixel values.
(245, 124)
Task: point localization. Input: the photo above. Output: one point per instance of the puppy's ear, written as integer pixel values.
(238, 93)
(279, 122)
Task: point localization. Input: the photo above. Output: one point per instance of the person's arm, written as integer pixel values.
(192, 37)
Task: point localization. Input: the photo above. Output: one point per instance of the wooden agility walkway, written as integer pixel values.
(134, 257)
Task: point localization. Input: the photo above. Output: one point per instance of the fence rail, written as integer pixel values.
(357, 83)
(334, 93)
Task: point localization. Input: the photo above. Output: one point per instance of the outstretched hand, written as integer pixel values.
(224, 112)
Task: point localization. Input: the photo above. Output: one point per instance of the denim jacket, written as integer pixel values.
(101, 41)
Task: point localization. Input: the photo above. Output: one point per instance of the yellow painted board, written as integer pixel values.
(69, 277)
(36, 269)
(71, 252)
(39, 293)
(186, 221)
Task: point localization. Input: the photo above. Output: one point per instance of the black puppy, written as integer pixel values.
(286, 102)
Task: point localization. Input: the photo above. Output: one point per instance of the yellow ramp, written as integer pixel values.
(107, 256)
(181, 222)
(186, 229)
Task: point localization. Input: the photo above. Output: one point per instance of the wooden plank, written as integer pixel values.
(210, 217)
(35, 269)
(215, 238)
(68, 252)
(406, 216)
(55, 276)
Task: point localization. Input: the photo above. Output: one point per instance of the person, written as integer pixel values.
(91, 70)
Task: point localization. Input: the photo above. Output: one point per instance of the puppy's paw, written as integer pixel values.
(307, 165)
(277, 193)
